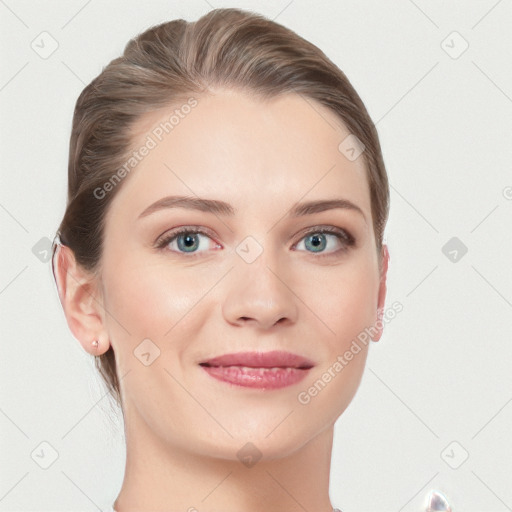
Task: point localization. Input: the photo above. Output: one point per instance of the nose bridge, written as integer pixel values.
(262, 273)
(257, 288)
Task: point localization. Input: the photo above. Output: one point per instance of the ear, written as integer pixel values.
(82, 304)
(382, 293)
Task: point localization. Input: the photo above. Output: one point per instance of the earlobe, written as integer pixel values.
(382, 293)
(78, 296)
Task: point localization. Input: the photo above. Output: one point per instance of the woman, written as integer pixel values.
(221, 256)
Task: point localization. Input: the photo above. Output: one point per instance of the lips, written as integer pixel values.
(258, 370)
(273, 359)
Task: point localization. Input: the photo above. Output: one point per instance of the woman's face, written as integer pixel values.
(252, 275)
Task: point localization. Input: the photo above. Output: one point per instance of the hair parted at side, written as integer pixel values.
(167, 63)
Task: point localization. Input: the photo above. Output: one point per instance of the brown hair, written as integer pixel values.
(167, 62)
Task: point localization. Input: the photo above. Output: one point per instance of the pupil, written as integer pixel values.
(186, 242)
(317, 241)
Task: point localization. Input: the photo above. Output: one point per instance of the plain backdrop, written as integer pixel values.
(434, 409)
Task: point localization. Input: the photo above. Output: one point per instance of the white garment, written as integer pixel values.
(111, 509)
(436, 501)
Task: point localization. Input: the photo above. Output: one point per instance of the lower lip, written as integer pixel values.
(262, 378)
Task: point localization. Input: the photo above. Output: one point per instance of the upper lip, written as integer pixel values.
(276, 358)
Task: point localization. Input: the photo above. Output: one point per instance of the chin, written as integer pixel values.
(255, 443)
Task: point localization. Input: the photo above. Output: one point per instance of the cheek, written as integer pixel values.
(345, 300)
(153, 292)
(350, 307)
(152, 301)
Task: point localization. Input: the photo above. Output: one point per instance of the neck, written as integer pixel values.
(159, 476)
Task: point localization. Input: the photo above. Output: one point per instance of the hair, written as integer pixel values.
(229, 48)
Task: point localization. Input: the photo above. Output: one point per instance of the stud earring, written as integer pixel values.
(95, 343)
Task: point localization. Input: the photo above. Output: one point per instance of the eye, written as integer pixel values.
(321, 240)
(326, 237)
(185, 240)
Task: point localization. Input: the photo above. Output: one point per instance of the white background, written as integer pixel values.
(442, 371)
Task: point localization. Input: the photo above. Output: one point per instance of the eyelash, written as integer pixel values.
(343, 236)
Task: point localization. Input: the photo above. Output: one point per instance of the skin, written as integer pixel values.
(184, 428)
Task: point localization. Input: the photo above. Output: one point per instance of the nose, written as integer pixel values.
(260, 293)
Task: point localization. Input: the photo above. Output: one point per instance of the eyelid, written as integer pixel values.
(163, 240)
(344, 237)
(329, 229)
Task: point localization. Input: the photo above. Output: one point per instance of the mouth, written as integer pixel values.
(264, 370)
(274, 359)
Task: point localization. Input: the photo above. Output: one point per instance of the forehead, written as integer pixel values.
(235, 147)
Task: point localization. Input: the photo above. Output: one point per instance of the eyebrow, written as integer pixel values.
(222, 208)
